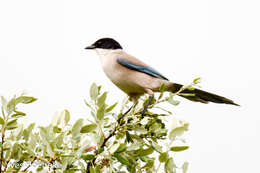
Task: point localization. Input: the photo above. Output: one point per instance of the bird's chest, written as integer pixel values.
(118, 74)
(113, 70)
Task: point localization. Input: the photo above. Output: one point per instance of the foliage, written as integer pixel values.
(104, 141)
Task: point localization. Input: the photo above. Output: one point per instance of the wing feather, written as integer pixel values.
(140, 67)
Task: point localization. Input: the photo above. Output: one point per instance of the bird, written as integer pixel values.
(136, 78)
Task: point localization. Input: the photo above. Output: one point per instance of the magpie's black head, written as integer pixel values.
(105, 43)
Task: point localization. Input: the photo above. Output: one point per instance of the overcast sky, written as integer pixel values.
(42, 51)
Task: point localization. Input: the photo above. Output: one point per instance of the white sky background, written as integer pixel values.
(42, 50)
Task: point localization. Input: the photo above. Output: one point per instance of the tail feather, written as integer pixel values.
(202, 96)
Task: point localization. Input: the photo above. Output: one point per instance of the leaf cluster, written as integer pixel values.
(105, 140)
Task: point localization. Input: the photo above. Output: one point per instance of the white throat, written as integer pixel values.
(106, 53)
(103, 52)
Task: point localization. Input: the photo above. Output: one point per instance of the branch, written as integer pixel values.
(173, 94)
(29, 164)
(2, 148)
(108, 137)
(153, 146)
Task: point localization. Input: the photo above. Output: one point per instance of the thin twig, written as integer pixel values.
(173, 94)
(152, 146)
(114, 131)
(107, 138)
(29, 165)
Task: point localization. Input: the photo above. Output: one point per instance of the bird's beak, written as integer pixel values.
(90, 47)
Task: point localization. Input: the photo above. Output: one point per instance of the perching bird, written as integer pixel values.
(136, 78)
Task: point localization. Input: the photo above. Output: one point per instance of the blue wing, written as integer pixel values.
(143, 69)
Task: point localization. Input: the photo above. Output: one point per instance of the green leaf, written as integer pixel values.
(88, 128)
(16, 151)
(100, 139)
(56, 129)
(40, 168)
(76, 127)
(99, 88)
(28, 131)
(97, 169)
(32, 143)
(122, 159)
(122, 147)
(178, 131)
(4, 103)
(66, 116)
(18, 114)
(93, 91)
(99, 150)
(101, 112)
(45, 139)
(120, 115)
(2, 121)
(163, 157)
(18, 132)
(110, 108)
(191, 88)
(187, 94)
(102, 99)
(10, 106)
(179, 148)
(145, 152)
(59, 140)
(128, 137)
(149, 164)
(92, 170)
(170, 166)
(88, 156)
(65, 163)
(114, 147)
(173, 102)
(197, 80)
(25, 99)
(11, 124)
(162, 87)
(185, 167)
(156, 146)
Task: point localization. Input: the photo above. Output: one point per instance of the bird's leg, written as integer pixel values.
(151, 95)
(147, 104)
(134, 99)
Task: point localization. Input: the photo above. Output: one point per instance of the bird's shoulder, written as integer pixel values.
(133, 63)
(131, 59)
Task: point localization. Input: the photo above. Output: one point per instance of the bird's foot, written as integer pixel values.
(147, 104)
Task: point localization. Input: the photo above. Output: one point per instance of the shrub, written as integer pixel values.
(104, 141)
